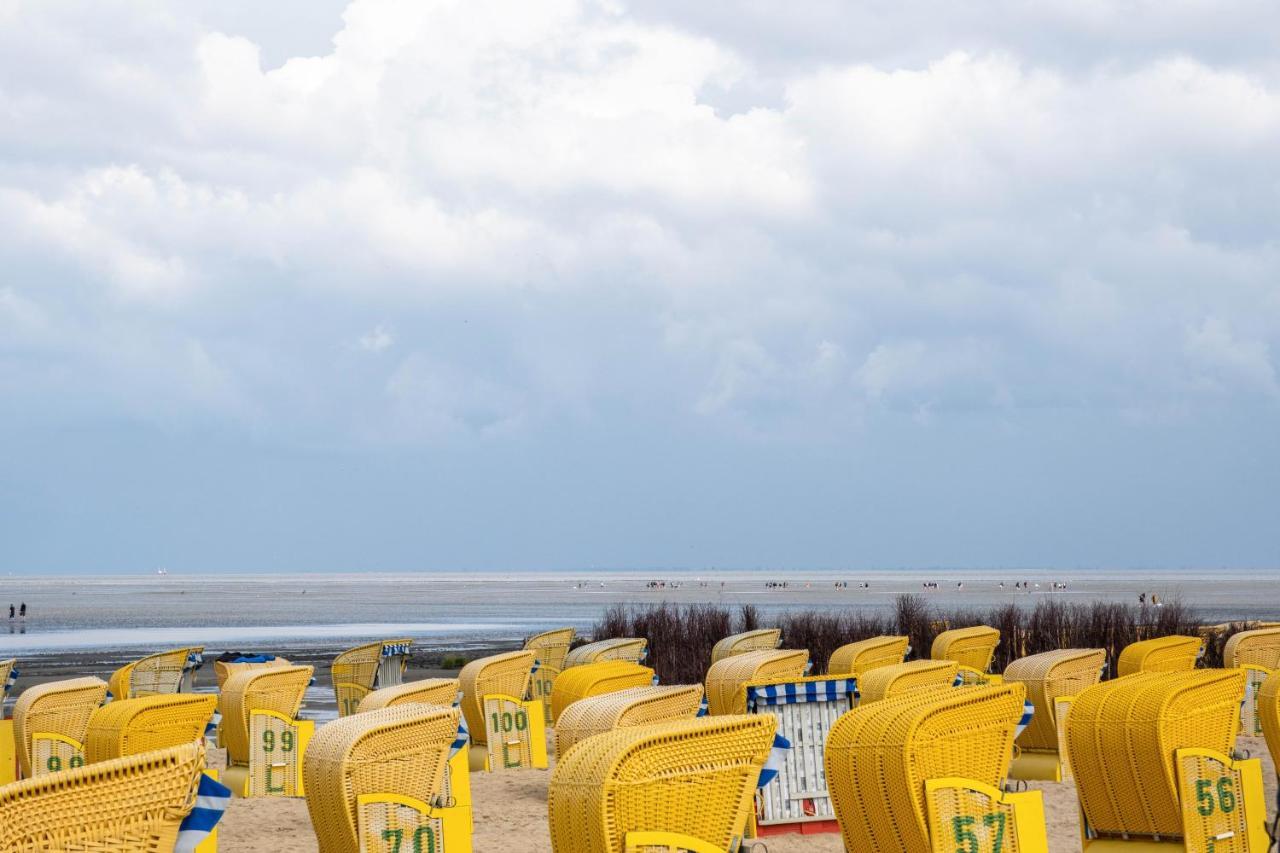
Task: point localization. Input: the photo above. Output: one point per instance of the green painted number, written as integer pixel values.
(286, 741)
(996, 819)
(1226, 795)
(76, 761)
(54, 764)
(421, 833)
(268, 741)
(1226, 801)
(394, 837)
(522, 721)
(962, 825)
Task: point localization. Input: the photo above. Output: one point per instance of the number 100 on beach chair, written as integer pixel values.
(511, 728)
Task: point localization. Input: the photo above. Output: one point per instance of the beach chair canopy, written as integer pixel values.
(634, 706)
(428, 691)
(551, 647)
(1174, 653)
(748, 641)
(56, 707)
(1047, 676)
(879, 756)
(865, 655)
(727, 679)
(596, 679)
(401, 750)
(505, 674)
(633, 649)
(147, 724)
(894, 679)
(277, 689)
(126, 804)
(973, 647)
(171, 671)
(1259, 647)
(692, 778)
(365, 668)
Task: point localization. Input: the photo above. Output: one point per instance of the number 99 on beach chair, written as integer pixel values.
(511, 728)
(365, 668)
(173, 671)
(265, 742)
(50, 721)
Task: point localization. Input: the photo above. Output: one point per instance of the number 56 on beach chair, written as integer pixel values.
(265, 741)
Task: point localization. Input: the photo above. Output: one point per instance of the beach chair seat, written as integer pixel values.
(596, 679)
(1050, 676)
(223, 669)
(1150, 753)
(147, 724)
(376, 777)
(1173, 653)
(136, 803)
(427, 691)
(1259, 647)
(264, 739)
(898, 678)
(366, 668)
(687, 784)
(172, 671)
(747, 641)
(973, 648)
(634, 706)
(865, 655)
(550, 648)
(881, 756)
(633, 649)
(50, 721)
(727, 679)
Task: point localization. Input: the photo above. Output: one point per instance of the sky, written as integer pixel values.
(403, 285)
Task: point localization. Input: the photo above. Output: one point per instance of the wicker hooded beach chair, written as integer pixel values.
(1269, 717)
(865, 655)
(505, 674)
(428, 691)
(380, 772)
(688, 783)
(49, 723)
(879, 757)
(224, 669)
(898, 678)
(633, 649)
(550, 648)
(596, 679)
(634, 706)
(126, 804)
(727, 679)
(260, 730)
(1050, 676)
(1162, 654)
(762, 639)
(134, 726)
(171, 671)
(972, 648)
(365, 668)
(1151, 757)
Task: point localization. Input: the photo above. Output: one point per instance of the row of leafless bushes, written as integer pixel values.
(680, 638)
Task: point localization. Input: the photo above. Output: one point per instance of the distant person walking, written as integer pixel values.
(22, 611)
(11, 611)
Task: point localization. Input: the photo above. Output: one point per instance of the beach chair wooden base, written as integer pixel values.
(515, 734)
(52, 752)
(965, 814)
(667, 842)
(8, 753)
(277, 746)
(392, 823)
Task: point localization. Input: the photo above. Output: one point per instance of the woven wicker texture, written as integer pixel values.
(507, 674)
(696, 777)
(878, 757)
(635, 706)
(355, 673)
(748, 641)
(61, 707)
(6, 668)
(551, 647)
(1162, 654)
(428, 691)
(398, 750)
(865, 655)
(1259, 647)
(127, 804)
(965, 815)
(1269, 715)
(158, 673)
(1047, 676)
(1122, 736)
(222, 670)
(898, 678)
(134, 726)
(596, 679)
(619, 648)
(972, 647)
(280, 689)
(727, 679)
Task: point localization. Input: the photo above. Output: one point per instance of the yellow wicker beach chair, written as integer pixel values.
(222, 670)
(375, 778)
(762, 639)
(898, 678)
(134, 726)
(428, 691)
(365, 668)
(8, 669)
(506, 674)
(633, 649)
(172, 671)
(685, 785)
(265, 741)
(635, 706)
(1259, 647)
(1269, 716)
(1049, 676)
(972, 648)
(126, 804)
(1151, 757)
(727, 679)
(1161, 654)
(49, 723)
(880, 757)
(865, 655)
(596, 679)
(550, 648)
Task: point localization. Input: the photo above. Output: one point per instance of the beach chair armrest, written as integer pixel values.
(671, 841)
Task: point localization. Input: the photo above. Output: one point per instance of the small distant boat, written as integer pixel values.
(162, 571)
